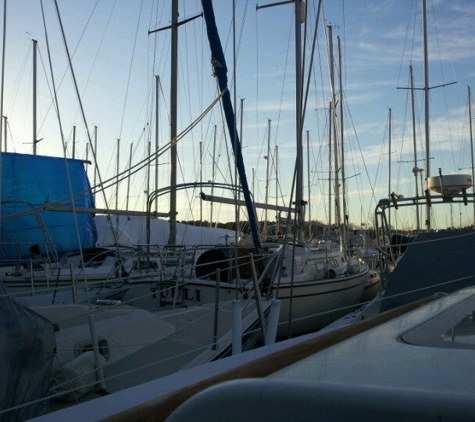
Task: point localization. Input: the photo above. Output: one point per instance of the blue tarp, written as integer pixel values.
(28, 183)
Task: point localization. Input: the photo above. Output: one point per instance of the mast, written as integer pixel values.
(2, 89)
(157, 121)
(276, 161)
(330, 165)
(213, 175)
(427, 88)
(220, 70)
(130, 176)
(308, 188)
(415, 170)
(173, 113)
(342, 153)
(34, 96)
(95, 155)
(299, 203)
(117, 186)
(335, 133)
(74, 141)
(237, 227)
(149, 151)
(471, 143)
(201, 181)
(426, 104)
(5, 123)
(173, 122)
(389, 163)
(267, 157)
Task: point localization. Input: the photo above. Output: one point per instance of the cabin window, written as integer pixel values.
(321, 266)
(453, 328)
(463, 332)
(145, 264)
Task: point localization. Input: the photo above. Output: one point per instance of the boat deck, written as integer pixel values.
(401, 365)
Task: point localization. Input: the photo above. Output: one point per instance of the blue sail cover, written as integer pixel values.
(29, 182)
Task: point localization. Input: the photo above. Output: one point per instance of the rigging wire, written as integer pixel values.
(127, 86)
(104, 185)
(62, 137)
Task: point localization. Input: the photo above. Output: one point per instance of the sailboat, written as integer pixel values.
(315, 284)
(319, 281)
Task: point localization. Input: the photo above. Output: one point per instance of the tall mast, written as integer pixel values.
(173, 113)
(149, 168)
(335, 132)
(95, 156)
(130, 176)
(299, 203)
(389, 163)
(342, 154)
(34, 96)
(267, 175)
(213, 175)
(201, 181)
(471, 143)
(173, 123)
(415, 170)
(5, 122)
(308, 187)
(2, 88)
(117, 185)
(426, 103)
(74, 142)
(157, 132)
(276, 161)
(330, 165)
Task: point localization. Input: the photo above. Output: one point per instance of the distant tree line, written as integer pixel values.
(319, 230)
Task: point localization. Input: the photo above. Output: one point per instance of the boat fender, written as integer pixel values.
(76, 378)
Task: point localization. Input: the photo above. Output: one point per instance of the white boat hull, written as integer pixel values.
(316, 304)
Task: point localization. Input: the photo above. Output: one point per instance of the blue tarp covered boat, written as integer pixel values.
(29, 184)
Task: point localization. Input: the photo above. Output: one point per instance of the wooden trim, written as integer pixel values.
(159, 409)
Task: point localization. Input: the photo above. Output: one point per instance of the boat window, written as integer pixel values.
(321, 265)
(453, 328)
(463, 332)
(144, 264)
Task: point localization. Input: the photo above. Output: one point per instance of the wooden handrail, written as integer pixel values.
(159, 409)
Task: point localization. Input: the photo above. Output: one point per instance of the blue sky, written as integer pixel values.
(115, 62)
